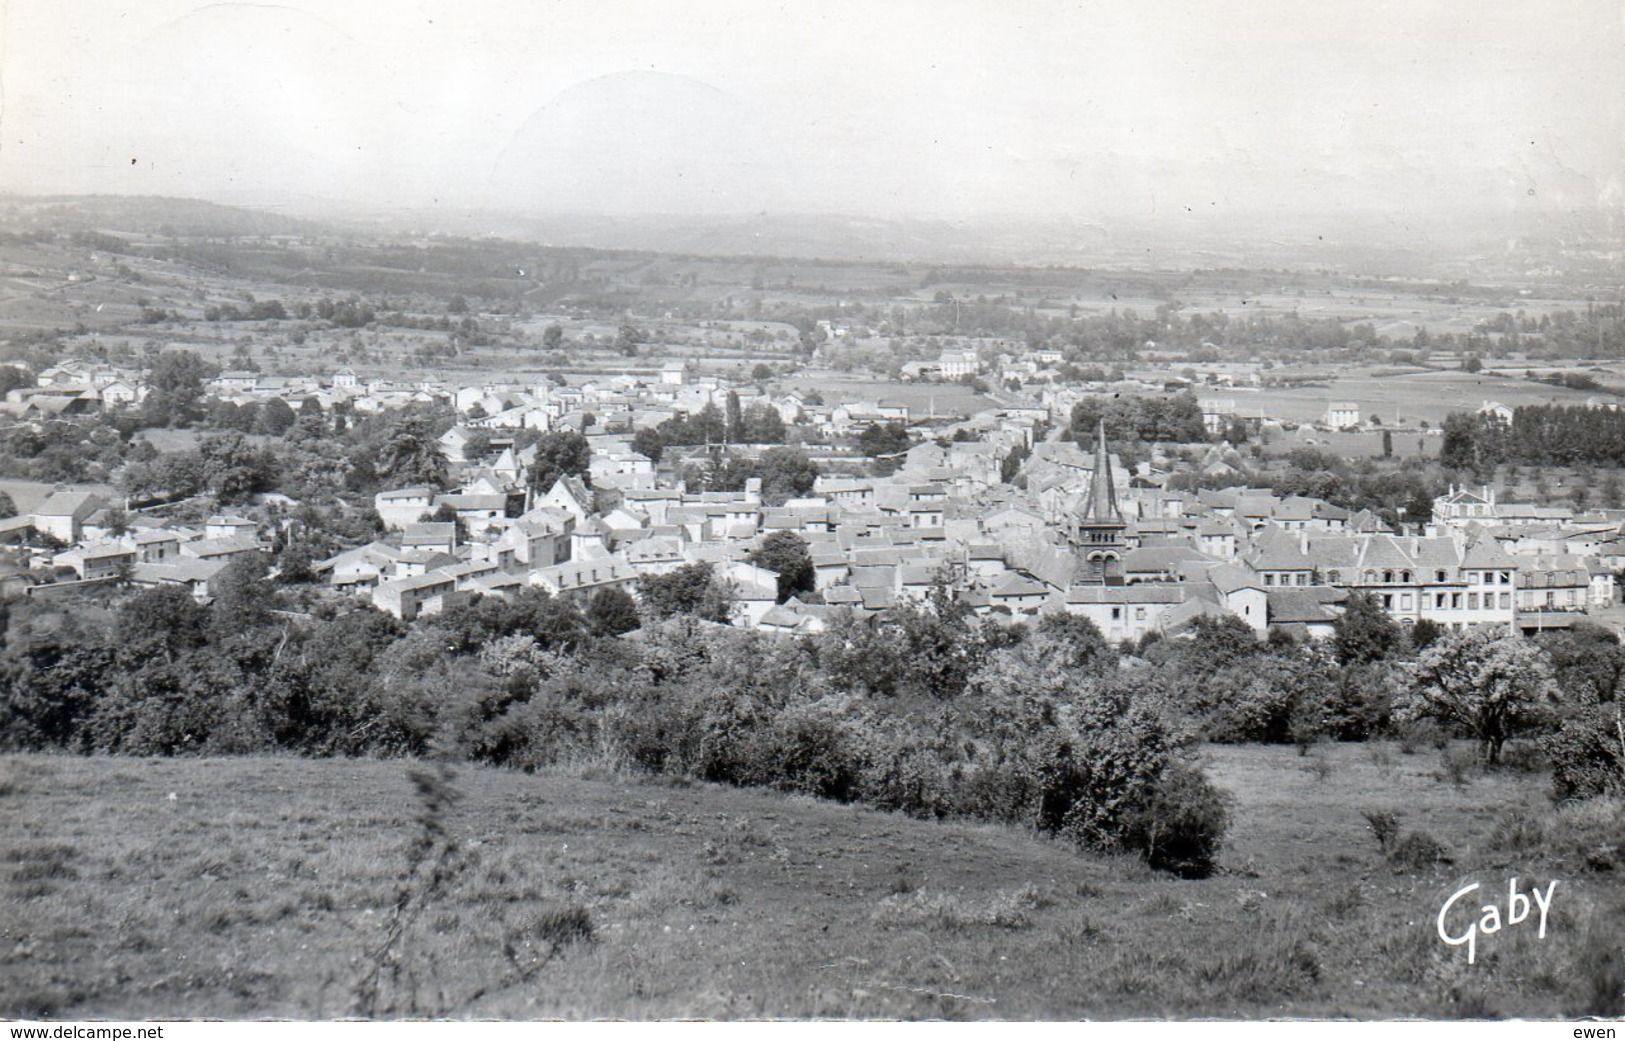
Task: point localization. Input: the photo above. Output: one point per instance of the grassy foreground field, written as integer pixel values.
(243, 888)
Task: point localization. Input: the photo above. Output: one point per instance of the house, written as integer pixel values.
(154, 546)
(63, 514)
(437, 537)
(1312, 612)
(1217, 414)
(957, 364)
(754, 591)
(224, 550)
(101, 560)
(571, 496)
(1341, 415)
(426, 594)
(194, 576)
(1560, 583)
(361, 568)
(219, 527)
(403, 506)
(585, 576)
(1122, 612)
(1018, 594)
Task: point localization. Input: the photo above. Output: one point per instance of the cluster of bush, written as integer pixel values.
(927, 713)
(924, 710)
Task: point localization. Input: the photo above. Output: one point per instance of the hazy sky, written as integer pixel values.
(881, 107)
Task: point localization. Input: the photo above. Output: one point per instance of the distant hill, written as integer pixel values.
(1465, 244)
(147, 215)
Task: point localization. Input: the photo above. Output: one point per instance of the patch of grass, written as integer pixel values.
(1011, 909)
(818, 909)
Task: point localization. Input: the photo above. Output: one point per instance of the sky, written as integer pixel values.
(929, 108)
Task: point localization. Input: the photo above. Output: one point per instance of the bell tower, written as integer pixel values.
(1098, 533)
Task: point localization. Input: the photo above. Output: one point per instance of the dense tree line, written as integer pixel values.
(1539, 435)
(757, 424)
(1147, 418)
(785, 473)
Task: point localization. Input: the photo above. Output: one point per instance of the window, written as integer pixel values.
(1506, 578)
(1387, 601)
(1405, 576)
(1387, 576)
(1506, 599)
(1334, 577)
(1269, 579)
(1455, 601)
(1117, 614)
(1303, 580)
(1441, 576)
(1404, 601)
(1139, 614)
(1441, 601)
(1472, 601)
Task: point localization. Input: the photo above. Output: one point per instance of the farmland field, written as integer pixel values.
(946, 398)
(1401, 400)
(257, 887)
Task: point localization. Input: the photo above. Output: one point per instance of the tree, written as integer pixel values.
(233, 469)
(628, 338)
(692, 590)
(1494, 685)
(785, 553)
(884, 439)
(1085, 647)
(176, 381)
(1364, 632)
(612, 611)
(8, 508)
(1588, 662)
(762, 425)
(478, 445)
(733, 419)
(275, 417)
(1472, 363)
(560, 453)
(553, 336)
(647, 441)
(786, 473)
(116, 521)
(411, 455)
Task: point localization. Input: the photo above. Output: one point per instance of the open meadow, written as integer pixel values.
(258, 887)
(1401, 400)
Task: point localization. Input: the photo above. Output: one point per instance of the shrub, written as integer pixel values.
(1418, 849)
(1587, 753)
(1181, 825)
(1456, 765)
(1384, 825)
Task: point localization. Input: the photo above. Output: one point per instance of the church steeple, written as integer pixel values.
(1101, 503)
(1099, 531)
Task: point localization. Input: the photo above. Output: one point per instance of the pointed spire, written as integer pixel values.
(1101, 503)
